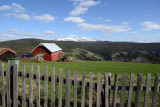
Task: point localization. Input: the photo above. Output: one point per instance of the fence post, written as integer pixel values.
(122, 98)
(109, 83)
(67, 97)
(115, 90)
(13, 69)
(75, 88)
(155, 91)
(83, 90)
(99, 89)
(106, 90)
(2, 86)
(60, 87)
(138, 90)
(90, 88)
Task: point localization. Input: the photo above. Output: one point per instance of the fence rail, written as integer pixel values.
(103, 93)
(79, 83)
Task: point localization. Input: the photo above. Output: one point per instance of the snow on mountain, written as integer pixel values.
(81, 39)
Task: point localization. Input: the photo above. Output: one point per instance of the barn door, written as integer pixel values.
(40, 57)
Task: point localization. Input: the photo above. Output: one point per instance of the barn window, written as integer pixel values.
(40, 50)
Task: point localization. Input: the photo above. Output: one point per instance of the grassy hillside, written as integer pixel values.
(82, 54)
(103, 49)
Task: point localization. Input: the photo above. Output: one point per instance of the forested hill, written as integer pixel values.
(107, 50)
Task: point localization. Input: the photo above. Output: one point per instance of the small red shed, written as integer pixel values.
(6, 53)
(47, 52)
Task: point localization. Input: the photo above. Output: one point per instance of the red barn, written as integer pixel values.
(47, 52)
(6, 53)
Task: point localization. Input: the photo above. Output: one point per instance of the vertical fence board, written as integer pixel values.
(99, 86)
(30, 86)
(130, 90)
(46, 86)
(106, 89)
(115, 90)
(8, 89)
(2, 86)
(15, 85)
(138, 91)
(83, 90)
(75, 88)
(53, 87)
(155, 92)
(123, 90)
(98, 89)
(38, 86)
(23, 87)
(90, 88)
(67, 94)
(60, 88)
(147, 90)
(109, 82)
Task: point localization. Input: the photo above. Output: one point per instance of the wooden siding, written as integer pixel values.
(6, 55)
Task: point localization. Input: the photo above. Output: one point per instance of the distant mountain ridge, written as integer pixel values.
(106, 49)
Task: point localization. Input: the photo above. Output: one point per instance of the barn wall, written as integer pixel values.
(42, 49)
(48, 56)
(6, 55)
(56, 55)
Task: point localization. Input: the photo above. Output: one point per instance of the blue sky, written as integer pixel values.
(106, 20)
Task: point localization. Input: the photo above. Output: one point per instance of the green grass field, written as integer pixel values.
(100, 66)
(95, 67)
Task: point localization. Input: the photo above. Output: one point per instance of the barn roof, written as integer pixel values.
(52, 47)
(3, 50)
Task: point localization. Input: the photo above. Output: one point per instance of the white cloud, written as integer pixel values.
(150, 25)
(103, 28)
(50, 33)
(76, 0)
(29, 34)
(99, 18)
(107, 20)
(89, 3)
(79, 10)
(134, 32)
(5, 7)
(17, 11)
(125, 23)
(17, 7)
(74, 19)
(6, 36)
(13, 30)
(16, 32)
(82, 7)
(105, 4)
(13, 7)
(18, 16)
(46, 18)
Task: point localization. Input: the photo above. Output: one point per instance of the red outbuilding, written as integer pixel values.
(6, 53)
(47, 52)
